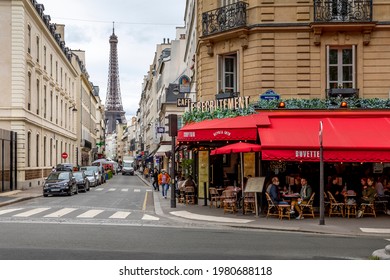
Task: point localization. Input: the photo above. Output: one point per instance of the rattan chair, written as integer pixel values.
(335, 207)
(273, 209)
(308, 207)
(249, 202)
(214, 197)
(229, 201)
(189, 195)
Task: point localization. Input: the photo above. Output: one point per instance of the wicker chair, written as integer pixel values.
(189, 195)
(229, 201)
(273, 209)
(249, 202)
(335, 207)
(214, 197)
(308, 207)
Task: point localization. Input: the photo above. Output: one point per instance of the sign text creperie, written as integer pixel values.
(233, 103)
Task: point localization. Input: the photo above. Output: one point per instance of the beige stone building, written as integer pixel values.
(298, 48)
(41, 83)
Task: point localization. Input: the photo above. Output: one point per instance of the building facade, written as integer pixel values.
(299, 49)
(40, 83)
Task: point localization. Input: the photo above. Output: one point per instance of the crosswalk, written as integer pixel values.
(117, 189)
(72, 212)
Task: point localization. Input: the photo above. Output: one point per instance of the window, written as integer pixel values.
(44, 101)
(341, 9)
(57, 109)
(44, 151)
(29, 91)
(28, 149)
(51, 151)
(227, 73)
(62, 111)
(29, 39)
(37, 151)
(227, 2)
(341, 67)
(38, 101)
(37, 49)
(51, 65)
(44, 57)
(51, 105)
(56, 71)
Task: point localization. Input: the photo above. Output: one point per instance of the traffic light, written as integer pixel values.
(172, 123)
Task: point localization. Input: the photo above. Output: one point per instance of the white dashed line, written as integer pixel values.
(90, 214)
(120, 215)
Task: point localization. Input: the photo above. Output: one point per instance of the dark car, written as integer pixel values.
(65, 167)
(60, 182)
(81, 181)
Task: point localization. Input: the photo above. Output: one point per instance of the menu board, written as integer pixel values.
(249, 164)
(255, 184)
(203, 168)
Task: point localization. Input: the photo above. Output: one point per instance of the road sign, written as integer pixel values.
(64, 155)
(160, 129)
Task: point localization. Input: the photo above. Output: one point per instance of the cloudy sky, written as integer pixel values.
(139, 25)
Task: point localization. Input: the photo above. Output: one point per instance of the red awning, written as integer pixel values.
(238, 128)
(347, 136)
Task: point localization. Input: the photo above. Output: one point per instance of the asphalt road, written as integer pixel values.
(117, 221)
(27, 241)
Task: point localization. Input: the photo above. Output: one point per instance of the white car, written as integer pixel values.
(91, 176)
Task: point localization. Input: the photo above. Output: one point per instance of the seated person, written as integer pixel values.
(304, 196)
(368, 194)
(336, 190)
(273, 191)
(190, 183)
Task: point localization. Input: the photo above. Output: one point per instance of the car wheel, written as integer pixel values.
(88, 187)
(45, 195)
(76, 190)
(70, 192)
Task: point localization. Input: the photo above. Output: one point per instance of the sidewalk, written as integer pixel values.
(370, 226)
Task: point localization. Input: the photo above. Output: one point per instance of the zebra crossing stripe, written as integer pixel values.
(137, 190)
(60, 213)
(31, 212)
(2, 212)
(120, 215)
(150, 218)
(124, 190)
(90, 214)
(111, 190)
(98, 189)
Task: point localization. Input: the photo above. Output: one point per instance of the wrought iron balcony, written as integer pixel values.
(224, 18)
(343, 92)
(342, 10)
(228, 94)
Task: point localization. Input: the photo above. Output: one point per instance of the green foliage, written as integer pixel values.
(186, 166)
(109, 172)
(292, 104)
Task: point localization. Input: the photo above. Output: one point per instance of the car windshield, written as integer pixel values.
(89, 172)
(59, 176)
(78, 175)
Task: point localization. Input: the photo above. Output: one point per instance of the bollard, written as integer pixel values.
(205, 193)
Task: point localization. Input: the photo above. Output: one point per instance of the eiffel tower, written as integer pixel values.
(113, 108)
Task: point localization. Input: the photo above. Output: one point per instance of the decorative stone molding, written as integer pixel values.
(244, 41)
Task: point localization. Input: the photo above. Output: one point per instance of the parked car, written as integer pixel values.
(100, 176)
(60, 182)
(91, 177)
(65, 167)
(81, 181)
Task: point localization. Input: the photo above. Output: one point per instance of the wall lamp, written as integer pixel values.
(74, 108)
(282, 105)
(343, 104)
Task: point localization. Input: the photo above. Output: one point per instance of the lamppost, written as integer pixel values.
(322, 206)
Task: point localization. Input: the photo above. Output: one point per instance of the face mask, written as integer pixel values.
(276, 183)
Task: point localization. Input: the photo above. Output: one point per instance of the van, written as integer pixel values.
(128, 167)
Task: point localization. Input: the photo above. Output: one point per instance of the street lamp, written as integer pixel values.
(322, 205)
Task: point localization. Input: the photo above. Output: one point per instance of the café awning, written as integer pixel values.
(348, 136)
(162, 150)
(235, 129)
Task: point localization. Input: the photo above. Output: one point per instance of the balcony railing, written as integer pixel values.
(343, 92)
(224, 95)
(224, 18)
(342, 10)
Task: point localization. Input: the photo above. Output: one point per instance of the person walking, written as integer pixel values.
(155, 180)
(164, 180)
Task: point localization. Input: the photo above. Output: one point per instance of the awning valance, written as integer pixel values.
(347, 136)
(162, 150)
(236, 129)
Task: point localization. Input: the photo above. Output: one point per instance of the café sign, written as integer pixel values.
(233, 103)
(302, 154)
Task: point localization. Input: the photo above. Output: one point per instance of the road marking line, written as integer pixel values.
(375, 230)
(2, 212)
(98, 189)
(60, 213)
(150, 218)
(137, 190)
(90, 214)
(144, 205)
(188, 215)
(148, 190)
(111, 190)
(31, 212)
(124, 190)
(387, 239)
(120, 215)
